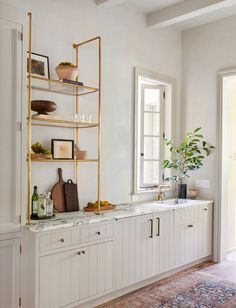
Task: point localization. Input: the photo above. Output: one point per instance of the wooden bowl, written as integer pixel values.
(43, 107)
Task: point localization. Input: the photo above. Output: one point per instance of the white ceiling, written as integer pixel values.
(148, 6)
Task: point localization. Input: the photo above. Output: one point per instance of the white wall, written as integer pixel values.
(206, 50)
(127, 43)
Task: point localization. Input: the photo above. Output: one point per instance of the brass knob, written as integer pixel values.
(205, 209)
(62, 240)
(78, 253)
(98, 233)
(83, 252)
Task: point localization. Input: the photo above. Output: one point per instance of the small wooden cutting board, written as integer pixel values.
(58, 194)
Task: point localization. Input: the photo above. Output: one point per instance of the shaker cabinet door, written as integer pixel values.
(75, 275)
(91, 271)
(9, 273)
(54, 280)
(163, 252)
(133, 250)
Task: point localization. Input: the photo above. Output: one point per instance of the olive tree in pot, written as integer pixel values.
(188, 156)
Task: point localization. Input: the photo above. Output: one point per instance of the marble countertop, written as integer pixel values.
(66, 220)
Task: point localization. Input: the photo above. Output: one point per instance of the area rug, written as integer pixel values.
(193, 290)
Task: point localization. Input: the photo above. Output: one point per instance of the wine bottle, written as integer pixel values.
(35, 199)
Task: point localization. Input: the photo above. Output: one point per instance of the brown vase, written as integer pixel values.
(67, 72)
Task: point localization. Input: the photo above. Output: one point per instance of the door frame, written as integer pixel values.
(220, 219)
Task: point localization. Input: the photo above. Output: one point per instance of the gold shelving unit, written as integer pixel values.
(56, 86)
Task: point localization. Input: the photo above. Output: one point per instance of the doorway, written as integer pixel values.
(228, 166)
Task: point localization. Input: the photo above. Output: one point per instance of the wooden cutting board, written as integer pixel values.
(71, 196)
(58, 194)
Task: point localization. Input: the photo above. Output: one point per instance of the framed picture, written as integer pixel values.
(62, 149)
(39, 65)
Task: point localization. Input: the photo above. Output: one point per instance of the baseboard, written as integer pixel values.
(126, 290)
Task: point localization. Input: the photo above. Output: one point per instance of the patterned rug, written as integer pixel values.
(194, 290)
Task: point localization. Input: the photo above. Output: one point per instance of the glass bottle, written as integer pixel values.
(49, 205)
(35, 201)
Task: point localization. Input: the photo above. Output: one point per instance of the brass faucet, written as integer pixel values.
(160, 193)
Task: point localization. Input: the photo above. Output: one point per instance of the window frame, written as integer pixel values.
(169, 84)
(142, 135)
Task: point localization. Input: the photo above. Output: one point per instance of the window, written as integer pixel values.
(152, 119)
(151, 134)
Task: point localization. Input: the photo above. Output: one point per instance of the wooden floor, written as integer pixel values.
(225, 270)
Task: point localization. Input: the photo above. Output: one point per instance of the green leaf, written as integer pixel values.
(197, 129)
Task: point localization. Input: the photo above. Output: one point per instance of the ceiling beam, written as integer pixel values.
(108, 2)
(185, 10)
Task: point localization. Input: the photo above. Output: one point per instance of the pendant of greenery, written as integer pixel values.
(188, 156)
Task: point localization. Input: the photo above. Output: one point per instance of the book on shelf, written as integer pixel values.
(77, 83)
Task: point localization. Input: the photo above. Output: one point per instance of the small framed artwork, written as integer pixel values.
(62, 149)
(39, 65)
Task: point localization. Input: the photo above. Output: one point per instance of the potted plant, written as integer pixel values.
(67, 70)
(188, 156)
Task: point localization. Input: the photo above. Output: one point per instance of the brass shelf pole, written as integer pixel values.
(76, 46)
(99, 123)
(29, 118)
(77, 111)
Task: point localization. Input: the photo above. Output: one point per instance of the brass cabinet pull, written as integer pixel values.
(205, 209)
(83, 252)
(190, 226)
(78, 253)
(98, 233)
(62, 240)
(151, 220)
(158, 226)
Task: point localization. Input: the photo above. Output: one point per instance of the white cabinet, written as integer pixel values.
(143, 247)
(133, 250)
(74, 275)
(193, 234)
(163, 251)
(9, 273)
(75, 265)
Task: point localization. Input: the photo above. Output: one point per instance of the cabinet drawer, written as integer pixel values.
(97, 232)
(55, 240)
(187, 214)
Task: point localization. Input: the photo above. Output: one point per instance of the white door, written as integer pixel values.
(133, 250)
(10, 115)
(9, 273)
(163, 253)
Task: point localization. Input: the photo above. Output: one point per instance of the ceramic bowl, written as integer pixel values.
(67, 72)
(43, 107)
(192, 193)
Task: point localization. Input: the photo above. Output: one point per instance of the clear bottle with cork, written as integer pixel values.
(49, 205)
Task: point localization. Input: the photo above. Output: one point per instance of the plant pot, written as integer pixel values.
(67, 72)
(182, 191)
(192, 193)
